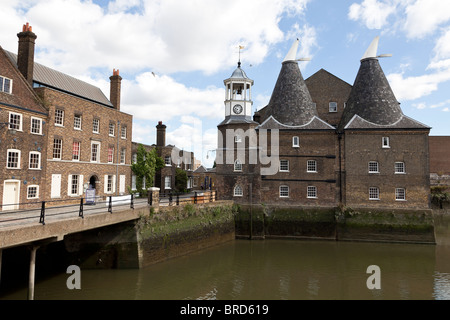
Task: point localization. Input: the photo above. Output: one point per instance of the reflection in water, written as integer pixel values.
(273, 269)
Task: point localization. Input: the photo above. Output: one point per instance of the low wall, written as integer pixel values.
(416, 226)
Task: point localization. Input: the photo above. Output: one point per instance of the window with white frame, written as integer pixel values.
(111, 129)
(237, 138)
(123, 152)
(374, 193)
(59, 117)
(295, 142)
(95, 151)
(76, 148)
(311, 192)
(238, 192)
(133, 182)
(5, 85)
(311, 166)
(110, 154)
(373, 167)
(134, 157)
(77, 122)
(15, 121)
(74, 184)
(284, 165)
(109, 183)
(284, 191)
(13, 159)
(123, 132)
(400, 194)
(168, 160)
(332, 107)
(34, 160)
(33, 192)
(57, 149)
(168, 182)
(96, 126)
(237, 165)
(36, 125)
(385, 142)
(400, 167)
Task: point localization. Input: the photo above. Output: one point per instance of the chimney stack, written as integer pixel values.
(161, 134)
(25, 54)
(115, 85)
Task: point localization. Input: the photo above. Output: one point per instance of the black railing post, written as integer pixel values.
(170, 198)
(81, 214)
(178, 199)
(149, 197)
(195, 197)
(110, 204)
(42, 218)
(132, 203)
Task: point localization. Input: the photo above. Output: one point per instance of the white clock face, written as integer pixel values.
(237, 109)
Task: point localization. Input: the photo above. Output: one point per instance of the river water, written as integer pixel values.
(275, 270)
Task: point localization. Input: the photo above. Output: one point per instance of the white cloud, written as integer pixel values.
(373, 13)
(423, 17)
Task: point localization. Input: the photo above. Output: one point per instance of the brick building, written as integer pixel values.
(23, 132)
(173, 158)
(322, 142)
(440, 160)
(87, 137)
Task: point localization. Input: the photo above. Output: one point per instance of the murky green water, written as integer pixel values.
(274, 269)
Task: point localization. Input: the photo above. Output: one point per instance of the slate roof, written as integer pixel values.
(314, 124)
(291, 102)
(48, 77)
(372, 100)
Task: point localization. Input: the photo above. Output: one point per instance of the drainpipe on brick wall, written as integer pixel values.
(118, 159)
(340, 168)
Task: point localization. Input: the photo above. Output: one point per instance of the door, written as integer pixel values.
(122, 184)
(56, 186)
(11, 198)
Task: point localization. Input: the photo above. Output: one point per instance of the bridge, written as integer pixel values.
(53, 221)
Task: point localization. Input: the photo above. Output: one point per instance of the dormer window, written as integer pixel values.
(333, 106)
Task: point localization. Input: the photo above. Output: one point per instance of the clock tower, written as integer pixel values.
(238, 95)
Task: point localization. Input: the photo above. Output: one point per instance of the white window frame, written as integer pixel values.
(168, 182)
(238, 191)
(167, 161)
(19, 155)
(97, 154)
(385, 142)
(39, 160)
(333, 107)
(111, 129)
(400, 194)
(60, 149)
(123, 153)
(39, 120)
(374, 193)
(310, 164)
(77, 120)
(295, 142)
(59, 117)
(284, 165)
(399, 168)
(3, 83)
(12, 125)
(372, 166)
(237, 166)
(284, 191)
(79, 150)
(237, 139)
(28, 192)
(110, 155)
(123, 132)
(96, 125)
(311, 192)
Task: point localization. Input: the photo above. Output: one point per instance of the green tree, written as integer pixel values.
(147, 163)
(181, 179)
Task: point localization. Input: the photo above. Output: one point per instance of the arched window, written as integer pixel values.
(238, 192)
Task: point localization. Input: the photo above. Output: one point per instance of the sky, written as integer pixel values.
(173, 55)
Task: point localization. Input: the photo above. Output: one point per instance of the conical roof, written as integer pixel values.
(371, 98)
(291, 103)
